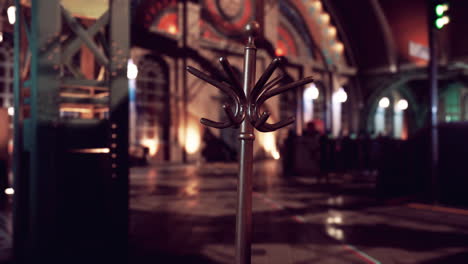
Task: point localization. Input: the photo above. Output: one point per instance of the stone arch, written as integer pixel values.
(317, 21)
(153, 105)
(6, 75)
(399, 84)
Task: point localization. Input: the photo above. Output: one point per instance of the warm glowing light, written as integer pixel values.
(338, 220)
(402, 105)
(268, 143)
(11, 13)
(75, 109)
(325, 18)
(151, 144)
(172, 29)
(311, 92)
(336, 233)
(318, 5)
(91, 9)
(11, 111)
(192, 142)
(9, 191)
(339, 47)
(279, 52)
(92, 150)
(334, 220)
(384, 102)
(192, 188)
(339, 234)
(132, 70)
(340, 96)
(1, 36)
(276, 155)
(332, 31)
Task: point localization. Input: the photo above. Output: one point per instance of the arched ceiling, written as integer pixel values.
(375, 34)
(361, 25)
(407, 22)
(320, 26)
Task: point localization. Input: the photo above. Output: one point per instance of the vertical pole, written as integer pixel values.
(433, 75)
(42, 132)
(329, 102)
(119, 120)
(44, 117)
(300, 106)
(184, 78)
(19, 180)
(132, 112)
(16, 91)
(325, 109)
(247, 137)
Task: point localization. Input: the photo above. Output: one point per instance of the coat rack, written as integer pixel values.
(247, 99)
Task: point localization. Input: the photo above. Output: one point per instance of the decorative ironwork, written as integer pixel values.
(247, 99)
(54, 79)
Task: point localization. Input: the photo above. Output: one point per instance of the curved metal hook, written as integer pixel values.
(265, 76)
(260, 121)
(220, 85)
(272, 127)
(267, 95)
(262, 126)
(270, 85)
(234, 118)
(232, 77)
(214, 124)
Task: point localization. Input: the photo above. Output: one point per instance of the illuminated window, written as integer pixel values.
(6, 79)
(168, 23)
(151, 104)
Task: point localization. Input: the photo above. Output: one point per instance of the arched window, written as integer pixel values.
(152, 106)
(6, 76)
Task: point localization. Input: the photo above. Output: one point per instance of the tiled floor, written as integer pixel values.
(5, 236)
(187, 215)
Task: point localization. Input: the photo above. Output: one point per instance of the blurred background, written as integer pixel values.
(102, 151)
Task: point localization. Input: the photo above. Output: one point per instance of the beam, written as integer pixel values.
(388, 36)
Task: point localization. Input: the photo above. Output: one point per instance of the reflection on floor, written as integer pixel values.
(6, 230)
(186, 214)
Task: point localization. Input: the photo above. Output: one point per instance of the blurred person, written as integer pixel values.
(348, 153)
(313, 138)
(326, 156)
(307, 152)
(364, 143)
(287, 153)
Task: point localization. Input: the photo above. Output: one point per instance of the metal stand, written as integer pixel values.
(433, 73)
(247, 101)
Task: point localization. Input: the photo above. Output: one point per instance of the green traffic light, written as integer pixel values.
(441, 18)
(441, 8)
(441, 22)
